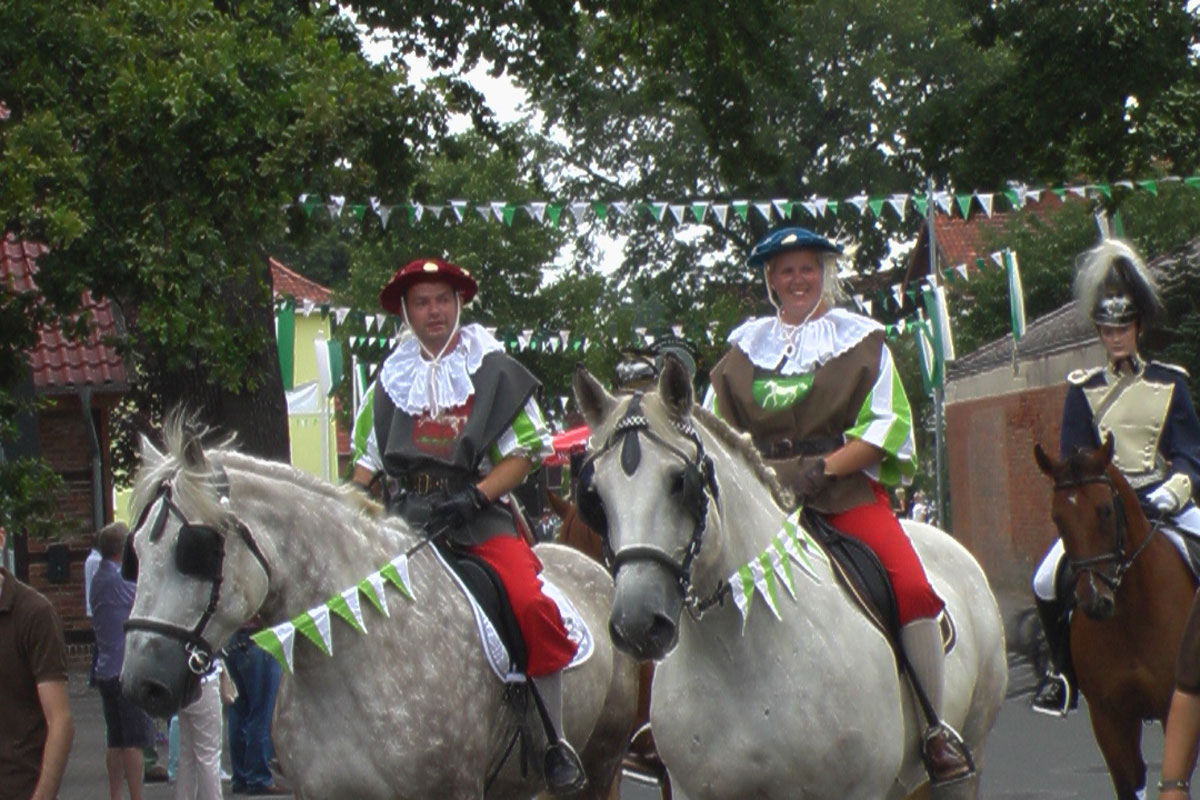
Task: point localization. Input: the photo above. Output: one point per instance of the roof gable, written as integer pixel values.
(287, 282)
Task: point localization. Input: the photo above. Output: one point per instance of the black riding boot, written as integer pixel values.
(563, 770)
(1057, 693)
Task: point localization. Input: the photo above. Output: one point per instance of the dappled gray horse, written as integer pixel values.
(809, 704)
(411, 708)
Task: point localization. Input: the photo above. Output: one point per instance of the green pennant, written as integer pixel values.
(267, 640)
(698, 210)
(311, 206)
(964, 204)
(921, 202)
(912, 294)
(742, 210)
(832, 206)
(368, 590)
(308, 626)
(1061, 191)
(411, 213)
(553, 212)
(509, 212)
(338, 605)
(1014, 197)
(1149, 186)
(358, 211)
(786, 207)
(889, 331)
(393, 575)
(1193, 181)
(981, 263)
(764, 561)
(747, 585)
(600, 210)
(656, 210)
(786, 561)
(1105, 189)
(876, 206)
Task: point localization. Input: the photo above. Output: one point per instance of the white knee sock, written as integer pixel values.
(922, 640)
(550, 688)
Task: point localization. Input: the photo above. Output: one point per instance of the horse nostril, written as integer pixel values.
(153, 697)
(663, 634)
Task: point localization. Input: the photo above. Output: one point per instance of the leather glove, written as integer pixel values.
(457, 510)
(1164, 500)
(812, 479)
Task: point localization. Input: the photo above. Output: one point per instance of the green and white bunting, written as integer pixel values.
(763, 574)
(279, 640)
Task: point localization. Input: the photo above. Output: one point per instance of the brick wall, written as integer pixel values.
(65, 445)
(999, 499)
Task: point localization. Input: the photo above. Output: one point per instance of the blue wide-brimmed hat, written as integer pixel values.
(781, 240)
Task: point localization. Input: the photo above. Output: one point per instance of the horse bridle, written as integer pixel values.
(199, 538)
(699, 473)
(1111, 578)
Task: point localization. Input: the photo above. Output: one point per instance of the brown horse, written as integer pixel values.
(642, 760)
(1134, 591)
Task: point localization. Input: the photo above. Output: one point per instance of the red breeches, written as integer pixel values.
(541, 625)
(876, 526)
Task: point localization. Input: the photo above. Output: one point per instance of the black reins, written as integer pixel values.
(201, 653)
(1111, 578)
(699, 472)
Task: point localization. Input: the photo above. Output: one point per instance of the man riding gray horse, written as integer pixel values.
(456, 428)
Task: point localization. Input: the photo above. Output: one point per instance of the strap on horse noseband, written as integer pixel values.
(199, 553)
(699, 480)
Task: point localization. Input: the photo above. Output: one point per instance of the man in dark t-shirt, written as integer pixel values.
(35, 738)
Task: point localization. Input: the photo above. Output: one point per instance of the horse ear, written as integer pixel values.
(151, 455)
(675, 387)
(1106, 449)
(1044, 462)
(594, 400)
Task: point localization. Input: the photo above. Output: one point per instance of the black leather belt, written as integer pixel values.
(790, 448)
(427, 483)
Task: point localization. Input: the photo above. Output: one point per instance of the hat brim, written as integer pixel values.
(392, 296)
(758, 259)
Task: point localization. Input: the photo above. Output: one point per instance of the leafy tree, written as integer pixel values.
(152, 145)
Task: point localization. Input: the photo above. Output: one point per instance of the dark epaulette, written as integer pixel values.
(1079, 377)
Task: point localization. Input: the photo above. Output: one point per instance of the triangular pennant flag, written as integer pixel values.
(964, 204)
(699, 210)
(677, 330)
(509, 212)
(1193, 181)
(1149, 186)
(1032, 195)
(655, 209)
(810, 207)
(741, 208)
(997, 258)
(1078, 191)
(537, 211)
(339, 202)
(457, 207)
(961, 269)
(1126, 184)
(578, 210)
(899, 204)
(384, 213)
(619, 208)
(986, 201)
(417, 212)
(721, 212)
(601, 211)
(764, 209)
(307, 624)
(859, 201)
(279, 641)
(1016, 198)
(791, 546)
(1104, 189)
(832, 205)
(764, 579)
(876, 206)
(820, 204)
(484, 212)
(741, 587)
(498, 210)
(858, 301)
(372, 587)
(347, 606)
(553, 212)
(782, 564)
(869, 305)
(783, 207)
(397, 572)
(677, 211)
(943, 201)
(898, 294)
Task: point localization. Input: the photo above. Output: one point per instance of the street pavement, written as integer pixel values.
(1028, 756)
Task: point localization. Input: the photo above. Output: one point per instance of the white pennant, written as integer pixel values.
(764, 209)
(899, 203)
(781, 574)
(1080, 191)
(498, 211)
(303, 197)
(986, 200)
(320, 616)
(779, 204)
(285, 632)
(943, 200)
(563, 335)
(340, 314)
(760, 582)
(578, 210)
(677, 212)
(870, 306)
(419, 211)
(384, 212)
(738, 591)
(677, 330)
(896, 293)
(859, 201)
(810, 207)
(1032, 195)
(961, 269)
(820, 204)
(351, 597)
(721, 212)
(537, 211)
(376, 581)
(484, 212)
(524, 337)
(998, 258)
(339, 202)
(618, 208)
(858, 301)
(400, 562)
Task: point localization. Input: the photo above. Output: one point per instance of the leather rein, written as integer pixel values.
(1094, 565)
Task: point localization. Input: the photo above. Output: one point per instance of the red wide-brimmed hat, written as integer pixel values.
(423, 270)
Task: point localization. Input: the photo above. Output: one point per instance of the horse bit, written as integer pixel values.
(1117, 555)
(200, 554)
(698, 478)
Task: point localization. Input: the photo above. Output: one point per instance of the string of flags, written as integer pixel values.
(897, 204)
(772, 568)
(314, 624)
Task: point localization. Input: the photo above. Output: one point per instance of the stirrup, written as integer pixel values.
(955, 742)
(1043, 701)
(563, 769)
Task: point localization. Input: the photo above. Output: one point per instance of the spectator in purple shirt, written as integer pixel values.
(129, 729)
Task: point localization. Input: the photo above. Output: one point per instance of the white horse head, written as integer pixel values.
(410, 708)
(773, 684)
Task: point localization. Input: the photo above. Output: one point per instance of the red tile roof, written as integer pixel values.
(61, 365)
(286, 282)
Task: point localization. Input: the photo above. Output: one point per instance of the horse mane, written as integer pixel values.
(194, 485)
(743, 445)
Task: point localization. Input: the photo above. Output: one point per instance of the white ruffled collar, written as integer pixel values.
(798, 350)
(417, 385)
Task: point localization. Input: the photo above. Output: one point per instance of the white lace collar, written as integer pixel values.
(798, 350)
(417, 385)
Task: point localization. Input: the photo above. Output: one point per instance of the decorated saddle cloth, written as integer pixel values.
(497, 652)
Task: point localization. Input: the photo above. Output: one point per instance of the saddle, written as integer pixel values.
(862, 574)
(484, 584)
